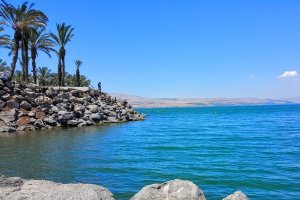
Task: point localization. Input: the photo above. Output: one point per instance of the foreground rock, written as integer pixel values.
(171, 190)
(17, 188)
(30, 107)
(238, 195)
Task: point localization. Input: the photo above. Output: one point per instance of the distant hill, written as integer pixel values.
(138, 102)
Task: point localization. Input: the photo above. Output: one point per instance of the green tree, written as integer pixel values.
(44, 74)
(78, 63)
(21, 19)
(39, 41)
(63, 37)
(84, 81)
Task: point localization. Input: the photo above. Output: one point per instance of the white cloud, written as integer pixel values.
(252, 76)
(289, 74)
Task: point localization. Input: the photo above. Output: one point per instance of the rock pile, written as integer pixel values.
(30, 107)
(15, 188)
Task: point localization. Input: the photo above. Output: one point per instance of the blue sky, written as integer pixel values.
(172, 48)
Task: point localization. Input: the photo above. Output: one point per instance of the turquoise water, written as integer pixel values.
(255, 149)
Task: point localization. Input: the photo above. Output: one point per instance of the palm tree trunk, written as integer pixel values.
(33, 57)
(63, 71)
(77, 77)
(26, 60)
(59, 72)
(23, 62)
(15, 54)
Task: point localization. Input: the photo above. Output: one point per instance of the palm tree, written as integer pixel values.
(39, 41)
(4, 39)
(21, 19)
(44, 74)
(78, 63)
(18, 76)
(53, 79)
(63, 37)
(3, 66)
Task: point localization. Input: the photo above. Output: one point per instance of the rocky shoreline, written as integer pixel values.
(15, 188)
(30, 107)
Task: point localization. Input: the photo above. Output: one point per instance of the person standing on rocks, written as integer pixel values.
(99, 87)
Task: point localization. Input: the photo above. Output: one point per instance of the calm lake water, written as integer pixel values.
(255, 149)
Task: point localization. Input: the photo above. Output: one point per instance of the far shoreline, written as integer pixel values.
(217, 106)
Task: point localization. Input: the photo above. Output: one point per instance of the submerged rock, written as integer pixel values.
(171, 190)
(238, 195)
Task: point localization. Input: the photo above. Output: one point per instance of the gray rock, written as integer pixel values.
(2, 104)
(62, 106)
(171, 190)
(43, 100)
(79, 107)
(112, 120)
(87, 112)
(18, 98)
(238, 195)
(39, 123)
(16, 189)
(73, 122)
(50, 122)
(86, 123)
(78, 114)
(54, 109)
(13, 104)
(93, 108)
(10, 182)
(7, 129)
(8, 116)
(32, 120)
(31, 114)
(113, 114)
(8, 84)
(95, 117)
(64, 116)
(25, 105)
(5, 97)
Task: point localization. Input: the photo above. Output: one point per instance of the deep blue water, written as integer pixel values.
(255, 149)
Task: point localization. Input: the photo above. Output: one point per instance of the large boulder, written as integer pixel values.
(95, 117)
(171, 190)
(65, 116)
(238, 195)
(16, 189)
(93, 108)
(7, 129)
(39, 123)
(13, 104)
(49, 121)
(79, 107)
(25, 105)
(73, 122)
(43, 100)
(8, 116)
(112, 120)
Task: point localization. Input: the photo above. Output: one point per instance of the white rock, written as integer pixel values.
(171, 190)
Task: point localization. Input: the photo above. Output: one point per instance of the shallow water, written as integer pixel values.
(255, 149)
